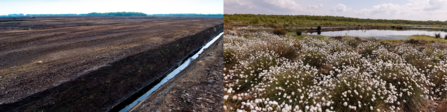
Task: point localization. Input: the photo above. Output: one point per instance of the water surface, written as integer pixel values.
(380, 34)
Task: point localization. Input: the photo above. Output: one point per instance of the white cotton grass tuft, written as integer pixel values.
(329, 74)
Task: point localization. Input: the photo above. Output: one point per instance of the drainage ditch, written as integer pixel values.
(146, 91)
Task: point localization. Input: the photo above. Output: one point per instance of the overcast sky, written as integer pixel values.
(375, 9)
(87, 6)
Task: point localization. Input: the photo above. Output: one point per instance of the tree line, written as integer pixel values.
(325, 20)
(114, 14)
(189, 14)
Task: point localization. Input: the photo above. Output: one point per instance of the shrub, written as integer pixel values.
(298, 32)
(255, 21)
(279, 32)
(438, 35)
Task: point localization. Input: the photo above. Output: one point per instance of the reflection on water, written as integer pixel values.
(380, 34)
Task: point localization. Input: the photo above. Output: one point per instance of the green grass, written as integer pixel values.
(391, 41)
(427, 38)
(314, 21)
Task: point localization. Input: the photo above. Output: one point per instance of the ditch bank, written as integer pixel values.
(146, 91)
(107, 86)
(198, 87)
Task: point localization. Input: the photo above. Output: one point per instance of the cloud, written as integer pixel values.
(340, 8)
(315, 6)
(381, 9)
(414, 10)
(387, 8)
(239, 2)
(262, 6)
(435, 5)
(145, 6)
(288, 4)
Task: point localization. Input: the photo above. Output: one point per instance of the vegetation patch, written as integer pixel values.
(269, 72)
(427, 38)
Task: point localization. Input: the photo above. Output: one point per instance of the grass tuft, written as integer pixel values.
(279, 32)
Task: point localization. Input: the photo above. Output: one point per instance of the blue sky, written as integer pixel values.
(86, 6)
(375, 9)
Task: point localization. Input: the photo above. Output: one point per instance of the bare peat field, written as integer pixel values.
(90, 63)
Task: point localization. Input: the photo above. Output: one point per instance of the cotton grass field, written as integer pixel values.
(267, 72)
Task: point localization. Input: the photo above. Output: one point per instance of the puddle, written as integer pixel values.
(169, 76)
(380, 34)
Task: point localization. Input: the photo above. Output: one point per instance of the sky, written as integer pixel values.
(87, 6)
(374, 9)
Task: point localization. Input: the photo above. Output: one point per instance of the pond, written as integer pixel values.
(380, 34)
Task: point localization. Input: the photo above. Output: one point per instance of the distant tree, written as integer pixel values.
(115, 14)
(255, 21)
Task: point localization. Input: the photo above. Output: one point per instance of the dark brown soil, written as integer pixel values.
(197, 88)
(91, 63)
